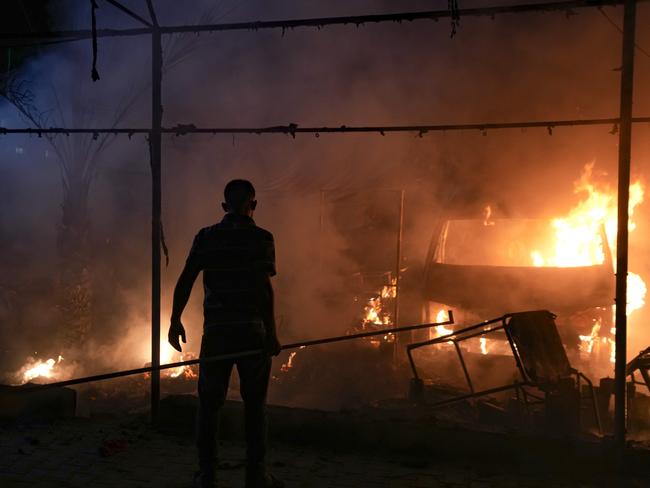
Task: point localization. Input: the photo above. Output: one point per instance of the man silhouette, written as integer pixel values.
(237, 259)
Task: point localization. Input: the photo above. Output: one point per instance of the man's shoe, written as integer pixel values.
(258, 477)
(203, 479)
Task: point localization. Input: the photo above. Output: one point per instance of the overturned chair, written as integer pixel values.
(538, 352)
(640, 363)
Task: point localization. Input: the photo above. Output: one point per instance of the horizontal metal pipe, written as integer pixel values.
(222, 357)
(452, 335)
(477, 394)
(9, 39)
(293, 129)
(479, 333)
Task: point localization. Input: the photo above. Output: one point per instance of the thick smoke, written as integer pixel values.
(512, 68)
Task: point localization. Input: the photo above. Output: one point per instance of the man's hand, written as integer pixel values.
(176, 329)
(273, 346)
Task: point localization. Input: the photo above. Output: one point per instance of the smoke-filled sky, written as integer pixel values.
(510, 68)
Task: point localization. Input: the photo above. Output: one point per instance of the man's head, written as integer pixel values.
(239, 198)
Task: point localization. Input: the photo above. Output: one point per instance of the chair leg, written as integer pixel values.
(594, 403)
(579, 387)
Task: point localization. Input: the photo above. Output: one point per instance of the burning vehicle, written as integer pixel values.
(481, 271)
(485, 267)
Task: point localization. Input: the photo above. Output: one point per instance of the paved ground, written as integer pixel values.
(129, 453)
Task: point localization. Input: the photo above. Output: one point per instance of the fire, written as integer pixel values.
(442, 316)
(578, 237)
(588, 341)
(36, 368)
(487, 213)
(389, 291)
(484, 345)
(377, 313)
(441, 330)
(374, 313)
(636, 292)
(167, 353)
(375, 310)
(289, 364)
(581, 236)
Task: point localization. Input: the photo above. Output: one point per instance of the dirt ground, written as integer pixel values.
(127, 451)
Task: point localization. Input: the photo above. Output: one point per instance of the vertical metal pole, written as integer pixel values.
(398, 266)
(321, 223)
(156, 183)
(624, 155)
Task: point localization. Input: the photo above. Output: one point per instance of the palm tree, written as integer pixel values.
(78, 159)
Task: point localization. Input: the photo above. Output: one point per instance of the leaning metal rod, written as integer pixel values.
(454, 335)
(236, 355)
(129, 12)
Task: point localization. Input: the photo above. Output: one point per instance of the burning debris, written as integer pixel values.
(37, 369)
(289, 364)
(378, 312)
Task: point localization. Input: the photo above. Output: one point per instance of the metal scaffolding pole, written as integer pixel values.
(155, 144)
(398, 273)
(624, 154)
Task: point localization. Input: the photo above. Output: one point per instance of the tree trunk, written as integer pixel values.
(75, 284)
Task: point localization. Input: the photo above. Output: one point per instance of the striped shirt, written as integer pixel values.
(234, 256)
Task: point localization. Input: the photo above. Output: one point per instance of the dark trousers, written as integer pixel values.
(214, 377)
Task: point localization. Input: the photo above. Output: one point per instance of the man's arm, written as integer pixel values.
(181, 296)
(268, 316)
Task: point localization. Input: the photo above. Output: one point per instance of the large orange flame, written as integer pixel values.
(578, 241)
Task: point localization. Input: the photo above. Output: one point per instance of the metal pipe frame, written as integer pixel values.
(594, 402)
(293, 129)
(10, 39)
(398, 273)
(155, 144)
(519, 386)
(452, 337)
(625, 120)
(624, 156)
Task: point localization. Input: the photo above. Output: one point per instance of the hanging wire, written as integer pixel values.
(454, 14)
(618, 28)
(93, 6)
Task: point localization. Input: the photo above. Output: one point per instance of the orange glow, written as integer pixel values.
(484, 345)
(587, 341)
(580, 238)
(289, 364)
(40, 369)
(167, 355)
(377, 313)
(442, 316)
(487, 214)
